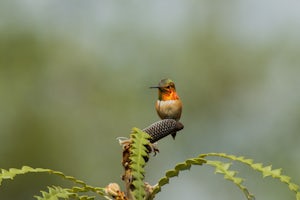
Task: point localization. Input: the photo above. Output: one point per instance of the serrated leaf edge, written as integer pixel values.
(12, 172)
(264, 170)
(138, 151)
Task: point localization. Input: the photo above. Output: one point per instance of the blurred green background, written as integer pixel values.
(74, 76)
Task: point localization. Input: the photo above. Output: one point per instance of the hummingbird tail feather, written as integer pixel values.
(173, 135)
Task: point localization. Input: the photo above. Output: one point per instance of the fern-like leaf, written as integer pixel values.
(174, 172)
(55, 193)
(223, 168)
(138, 154)
(265, 170)
(12, 172)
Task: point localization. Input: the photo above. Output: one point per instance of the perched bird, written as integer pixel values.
(168, 105)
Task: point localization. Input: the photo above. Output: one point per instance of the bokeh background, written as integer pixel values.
(74, 76)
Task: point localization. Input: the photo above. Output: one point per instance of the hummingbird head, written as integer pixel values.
(166, 90)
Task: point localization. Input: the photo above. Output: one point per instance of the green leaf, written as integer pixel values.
(285, 179)
(163, 181)
(172, 173)
(293, 187)
(54, 192)
(298, 196)
(183, 166)
(224, 168)
(175, 172)
(266, 171)
(138, 152)
(195, 161)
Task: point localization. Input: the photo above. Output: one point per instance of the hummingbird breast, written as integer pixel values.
(169, 109)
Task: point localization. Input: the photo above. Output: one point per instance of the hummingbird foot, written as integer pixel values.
(152, 148)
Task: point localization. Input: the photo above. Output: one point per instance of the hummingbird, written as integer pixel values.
(168, 104)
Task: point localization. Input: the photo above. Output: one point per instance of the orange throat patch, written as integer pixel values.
(169, 96)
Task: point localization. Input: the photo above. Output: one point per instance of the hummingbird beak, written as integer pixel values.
(154, 87)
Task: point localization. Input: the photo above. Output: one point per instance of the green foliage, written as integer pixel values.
(223, 168)
(265, 170)
(12, 172)
(174, 172)
(140, 147)
(54, 192)
(138, 154)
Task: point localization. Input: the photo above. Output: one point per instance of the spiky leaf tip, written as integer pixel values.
(224, 168)
(55, 193)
